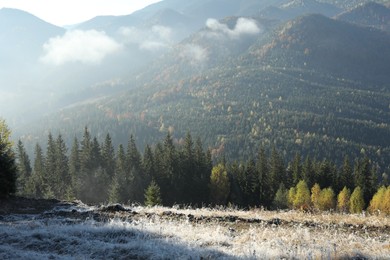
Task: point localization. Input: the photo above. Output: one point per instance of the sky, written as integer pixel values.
(69, 12)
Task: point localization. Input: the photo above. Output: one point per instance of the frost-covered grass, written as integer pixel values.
(150, 234)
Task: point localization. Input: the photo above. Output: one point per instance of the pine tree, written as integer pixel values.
(356, 203)
(277, 171)
(343, 200)
(153, 195)
(346, 176)
(308, 172)
(8, 168)
(136, 184)
(51, 180)
(296, 169)
(108, 157)
(63, 178)
(74, 170)
(262, 171)
(363, 178)
(24, 168)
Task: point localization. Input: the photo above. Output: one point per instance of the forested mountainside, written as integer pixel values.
(313, 85)
(370, 14)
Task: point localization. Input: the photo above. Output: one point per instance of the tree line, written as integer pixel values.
(169, 173)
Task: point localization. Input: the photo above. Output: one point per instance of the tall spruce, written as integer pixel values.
(62, 176)
(8, 168)
(24, 168)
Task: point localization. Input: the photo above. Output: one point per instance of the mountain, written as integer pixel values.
(371, 14)
(286, 88)
(294, 8)
(330, 47)
(22, 34)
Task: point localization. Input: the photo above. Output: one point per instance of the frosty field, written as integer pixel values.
(77, 231)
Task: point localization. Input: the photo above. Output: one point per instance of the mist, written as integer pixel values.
(89, 47)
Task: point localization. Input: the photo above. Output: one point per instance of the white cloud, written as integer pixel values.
(89, 47)
(154, 39)
(244, 26)
(194, 53)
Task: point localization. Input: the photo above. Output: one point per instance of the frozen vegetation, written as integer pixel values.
(77, 231)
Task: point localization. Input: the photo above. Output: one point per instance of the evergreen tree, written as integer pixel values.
(50, 168)
(346, 174)
(74, 170)
(356, 203)
(137, 183)
(24, 168)
(364, 178)
(308, 172)
(262, 170)
(8, 168)
(37, 184)
(277, 171)
(148, 164)
(153, 195)
(108, 156)
(296, 169)
(62, 176)
(343, 200)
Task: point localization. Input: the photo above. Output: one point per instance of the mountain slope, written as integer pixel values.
(330, 47)
(371, 14)
(265, 96)
(294, 8)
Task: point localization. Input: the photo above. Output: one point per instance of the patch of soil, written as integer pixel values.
(18, 205)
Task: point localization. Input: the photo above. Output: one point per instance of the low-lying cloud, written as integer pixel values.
(244, 26)
(154, 39)
(88, 47)
(194, 53)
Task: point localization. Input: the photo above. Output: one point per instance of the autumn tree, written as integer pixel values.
(327, 199)
(219, 185)
(356, 203)
(315, 196)
(302, 196)
(381, 201)
(343, 200)
(281, 197)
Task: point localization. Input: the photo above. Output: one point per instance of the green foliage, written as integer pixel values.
(219, 185)
(302, 196)
(281, 197)
(327, 199)
(356, 203)
(8, 169)
(153, 195)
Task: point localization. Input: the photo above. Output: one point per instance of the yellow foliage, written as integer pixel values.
(302, 196)
(381, 201)
(343, 200)
(315, 195)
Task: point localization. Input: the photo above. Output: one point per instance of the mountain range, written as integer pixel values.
(305, 76)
